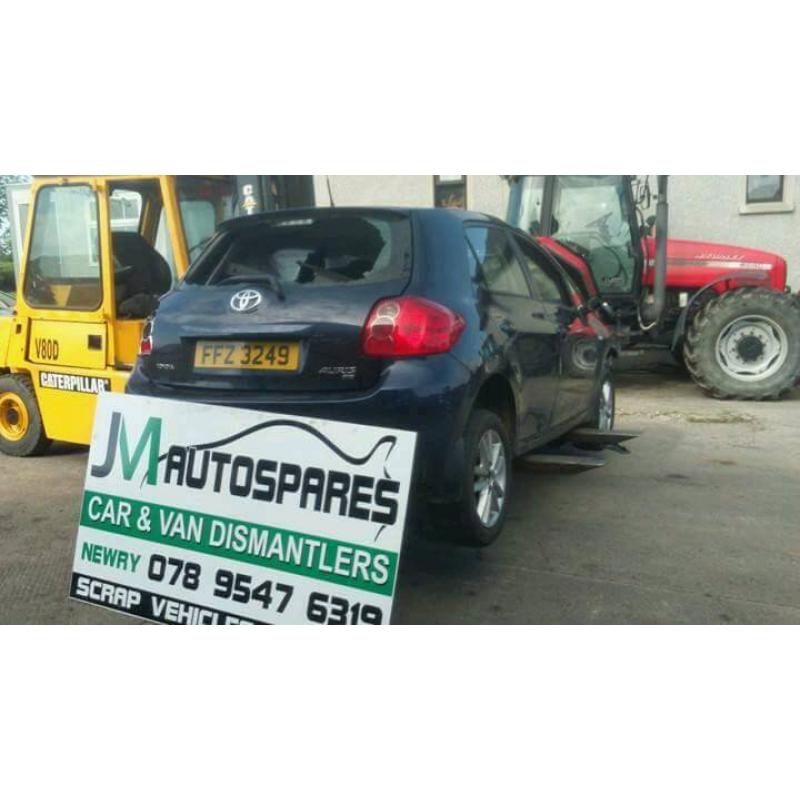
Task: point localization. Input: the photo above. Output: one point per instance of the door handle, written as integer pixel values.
(94, 342)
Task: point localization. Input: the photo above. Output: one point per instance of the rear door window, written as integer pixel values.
(312, 250)
(499, 269)
(548, 283)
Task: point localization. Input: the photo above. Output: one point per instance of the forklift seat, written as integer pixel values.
(146, 274)
(151, 273)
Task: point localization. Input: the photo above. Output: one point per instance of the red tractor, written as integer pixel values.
(724, 311)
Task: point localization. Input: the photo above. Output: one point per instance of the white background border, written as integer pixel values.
(363, 87)
(399, 713)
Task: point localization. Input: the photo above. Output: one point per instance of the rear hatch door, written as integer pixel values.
(279, 304)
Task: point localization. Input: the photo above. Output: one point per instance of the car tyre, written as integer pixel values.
(21, 427)
(603, 410)
(605, 403)
(478, 517)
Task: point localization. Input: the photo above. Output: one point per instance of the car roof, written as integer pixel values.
(422, 211)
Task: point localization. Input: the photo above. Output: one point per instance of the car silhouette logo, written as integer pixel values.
(246, 300)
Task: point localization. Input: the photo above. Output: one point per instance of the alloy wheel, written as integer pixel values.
(490, 478)
(605, 410)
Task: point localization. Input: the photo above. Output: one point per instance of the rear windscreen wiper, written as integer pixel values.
(199, 246)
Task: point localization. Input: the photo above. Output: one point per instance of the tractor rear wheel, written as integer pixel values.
(745, 345)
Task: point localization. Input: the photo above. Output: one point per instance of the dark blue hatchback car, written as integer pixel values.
(448, 323)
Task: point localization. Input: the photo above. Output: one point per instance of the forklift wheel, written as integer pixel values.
(21, 428)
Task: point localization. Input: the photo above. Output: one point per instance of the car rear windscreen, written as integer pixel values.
(325, 248)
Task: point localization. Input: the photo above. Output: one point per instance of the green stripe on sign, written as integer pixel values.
(361, 567)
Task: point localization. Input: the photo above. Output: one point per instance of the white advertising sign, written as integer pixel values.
(198, 514)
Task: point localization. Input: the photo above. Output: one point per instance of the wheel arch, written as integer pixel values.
(496, 394)
(754, 280)
(19, 373)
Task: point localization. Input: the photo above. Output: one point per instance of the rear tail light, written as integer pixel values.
(146, 342)
(410, 326)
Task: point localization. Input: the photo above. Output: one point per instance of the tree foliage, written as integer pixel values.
(5, 230)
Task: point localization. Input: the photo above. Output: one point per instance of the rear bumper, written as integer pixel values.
(430, 396)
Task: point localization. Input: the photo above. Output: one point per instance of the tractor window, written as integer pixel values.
(63, 269)
(590, 217)
(525, 202)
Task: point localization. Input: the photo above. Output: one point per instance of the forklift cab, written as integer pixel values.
(102, 250)
(99, 252)
(593, 217)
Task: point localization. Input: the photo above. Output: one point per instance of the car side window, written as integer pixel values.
(548, 282)
(499, 269)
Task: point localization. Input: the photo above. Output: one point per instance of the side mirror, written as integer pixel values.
(647, 228)
(603, 308)
(643, 196)
(566, 315)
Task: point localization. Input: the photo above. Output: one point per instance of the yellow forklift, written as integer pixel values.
(99, 251)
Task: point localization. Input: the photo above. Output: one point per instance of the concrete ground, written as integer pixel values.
(698, 524)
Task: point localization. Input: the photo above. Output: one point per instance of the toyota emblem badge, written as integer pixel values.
(246, 300)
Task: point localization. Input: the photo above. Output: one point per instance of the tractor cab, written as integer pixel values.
(724, 311)
(592, 225)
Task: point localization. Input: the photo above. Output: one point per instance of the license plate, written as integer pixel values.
(283, 356)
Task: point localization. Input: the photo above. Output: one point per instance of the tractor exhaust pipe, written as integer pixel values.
(652, 311)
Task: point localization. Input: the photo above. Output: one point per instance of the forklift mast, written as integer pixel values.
(259, 193)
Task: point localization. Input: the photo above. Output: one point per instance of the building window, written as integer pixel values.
(764, 189)
(450, 191)
(767, 194)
